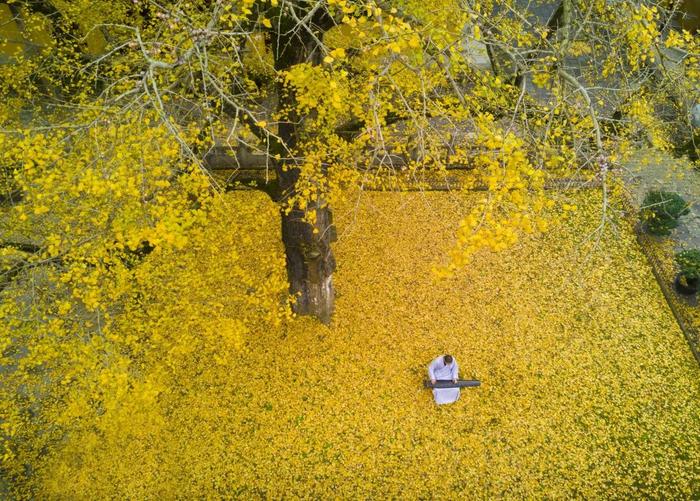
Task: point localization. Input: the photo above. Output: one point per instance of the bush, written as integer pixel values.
(661, 211)
(689, 263)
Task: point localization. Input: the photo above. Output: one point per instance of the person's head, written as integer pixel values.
(447, 359)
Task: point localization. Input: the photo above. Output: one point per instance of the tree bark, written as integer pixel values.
(310, 260)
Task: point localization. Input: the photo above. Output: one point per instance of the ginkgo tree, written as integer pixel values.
(123, 121)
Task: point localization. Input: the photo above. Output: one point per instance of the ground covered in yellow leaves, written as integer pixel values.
(664, 251)
(588, 386)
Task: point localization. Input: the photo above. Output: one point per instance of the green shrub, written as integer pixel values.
(661, 211)
(689, 263)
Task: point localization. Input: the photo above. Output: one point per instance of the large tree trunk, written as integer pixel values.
(310, 261)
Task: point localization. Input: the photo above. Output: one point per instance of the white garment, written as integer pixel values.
(438, 370)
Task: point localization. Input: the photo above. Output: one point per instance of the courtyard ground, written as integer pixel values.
(589, 389)
(588, 386)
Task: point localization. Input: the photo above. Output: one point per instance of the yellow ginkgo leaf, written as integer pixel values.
(338, 53)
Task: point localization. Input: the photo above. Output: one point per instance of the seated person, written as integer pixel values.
(444, 367)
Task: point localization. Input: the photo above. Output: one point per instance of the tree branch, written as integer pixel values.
(24, 247)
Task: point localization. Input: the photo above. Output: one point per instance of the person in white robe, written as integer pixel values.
(444, 367)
